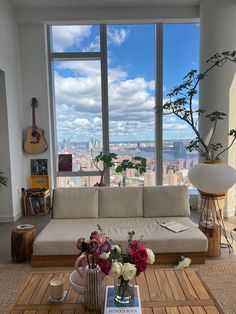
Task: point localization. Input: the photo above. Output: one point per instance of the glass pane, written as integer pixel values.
(77, 88)
(181, 54)
(75, 38)
(131, 74)
(66, 182)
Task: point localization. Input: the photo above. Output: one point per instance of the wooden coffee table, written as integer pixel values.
(162, 291)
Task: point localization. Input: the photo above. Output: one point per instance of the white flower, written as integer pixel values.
(104, 255)
(151, 256)
(117, 247)
(116, 269)
(128, 271)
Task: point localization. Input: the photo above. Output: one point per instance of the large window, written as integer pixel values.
(105, 92)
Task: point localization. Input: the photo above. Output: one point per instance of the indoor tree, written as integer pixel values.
(181, 105)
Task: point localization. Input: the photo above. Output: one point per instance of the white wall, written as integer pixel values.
(35, 84)
(11, 156)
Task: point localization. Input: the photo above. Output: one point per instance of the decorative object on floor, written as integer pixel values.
(56, 288)
(120, 263)
(22, 244)
(34, 142)
(183, 262)
(213, 179)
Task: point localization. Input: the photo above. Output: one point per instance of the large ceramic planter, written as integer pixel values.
(212, 177)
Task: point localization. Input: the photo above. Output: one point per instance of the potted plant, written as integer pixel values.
(3, 179)
(137, 163)
(181, 105)
(207, 178)
(107, 161)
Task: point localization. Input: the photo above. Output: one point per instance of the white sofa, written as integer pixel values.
(77, 211)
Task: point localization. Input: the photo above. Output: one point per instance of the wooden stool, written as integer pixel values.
(22, 244)
(213, 235)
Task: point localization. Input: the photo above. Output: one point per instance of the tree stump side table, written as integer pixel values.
(22, 244)
(213, 235)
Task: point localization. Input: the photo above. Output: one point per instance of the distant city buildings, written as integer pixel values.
(176, 162)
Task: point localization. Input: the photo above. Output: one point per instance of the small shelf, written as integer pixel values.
(35, 204)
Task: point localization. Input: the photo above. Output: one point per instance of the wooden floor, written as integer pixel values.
(162, 292)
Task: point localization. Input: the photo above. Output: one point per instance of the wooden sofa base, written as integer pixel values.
(69, 260)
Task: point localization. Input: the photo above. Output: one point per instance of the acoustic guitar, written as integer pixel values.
(34, 142)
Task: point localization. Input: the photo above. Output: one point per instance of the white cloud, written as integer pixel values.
(67, 36)
(116, 36)
(81, 122)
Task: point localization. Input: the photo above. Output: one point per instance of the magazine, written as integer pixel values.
(174, 226)
(110, 306)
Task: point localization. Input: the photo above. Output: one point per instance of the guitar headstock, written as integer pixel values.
(34, 102)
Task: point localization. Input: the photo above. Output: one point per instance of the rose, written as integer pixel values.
(105, 266)
(104, 255)
(117, 248)
(141, 266)
(99, 236)
(128, 271)
(151, 256)
(135, 246)
(141, 255)
(116, 269)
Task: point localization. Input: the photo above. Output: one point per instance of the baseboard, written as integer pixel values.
(10, 218)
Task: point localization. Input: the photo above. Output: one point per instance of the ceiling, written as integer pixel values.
(22, 4)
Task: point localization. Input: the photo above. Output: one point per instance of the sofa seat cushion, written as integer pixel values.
(117, 202)
(163, 201)
(60, 235)
(75, 202)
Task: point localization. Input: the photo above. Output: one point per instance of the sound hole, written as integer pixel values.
(34, 133)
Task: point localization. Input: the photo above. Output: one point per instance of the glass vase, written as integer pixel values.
(124, 293)
(93, 289)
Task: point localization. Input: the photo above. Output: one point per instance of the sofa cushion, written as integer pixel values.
(60, 235)
(161, 201)
(75, 203)
(120, 202)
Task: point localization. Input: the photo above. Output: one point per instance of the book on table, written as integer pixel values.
(110, 306)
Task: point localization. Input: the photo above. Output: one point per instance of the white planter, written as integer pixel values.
(214, 178)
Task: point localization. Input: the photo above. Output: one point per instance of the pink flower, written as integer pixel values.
(135, 246)
(99, 236)
(141, 255)
(105, 266)
(141, 266)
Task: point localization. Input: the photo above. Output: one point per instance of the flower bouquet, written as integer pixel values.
(118, 262)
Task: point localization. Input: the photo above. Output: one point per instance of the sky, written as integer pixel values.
(131, 80)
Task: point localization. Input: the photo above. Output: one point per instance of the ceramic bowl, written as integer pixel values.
(74, 281)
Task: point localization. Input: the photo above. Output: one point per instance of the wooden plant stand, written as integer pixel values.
(213, 235)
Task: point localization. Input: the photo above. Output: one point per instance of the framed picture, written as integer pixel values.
(65, 162)
(39, 167)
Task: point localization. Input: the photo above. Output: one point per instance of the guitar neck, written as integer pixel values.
(33, 118)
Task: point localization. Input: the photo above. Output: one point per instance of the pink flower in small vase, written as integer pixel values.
(141, 255)
(136, 246)
(99, 236)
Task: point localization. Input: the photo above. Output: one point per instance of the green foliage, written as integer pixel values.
(181, 105)
(3, 179)
(137, 163)
(107, 162)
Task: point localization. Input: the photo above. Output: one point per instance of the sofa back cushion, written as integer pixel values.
(75, 202)
(118, 202)
(164, 201)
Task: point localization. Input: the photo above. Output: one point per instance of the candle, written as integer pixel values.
(56, 288)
